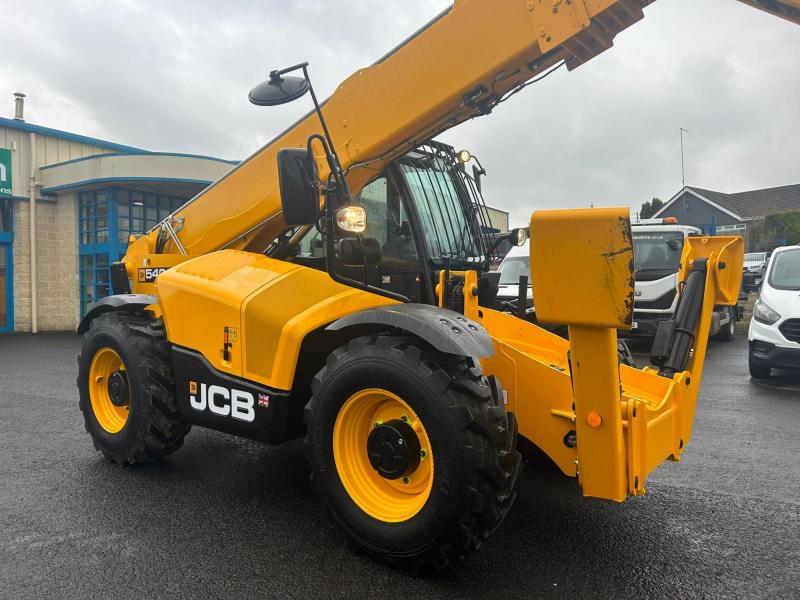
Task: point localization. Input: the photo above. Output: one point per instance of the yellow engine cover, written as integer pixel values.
(248, 314)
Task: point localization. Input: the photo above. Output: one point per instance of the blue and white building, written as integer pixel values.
(68, 204)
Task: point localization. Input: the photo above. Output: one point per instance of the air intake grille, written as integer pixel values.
(790, 329)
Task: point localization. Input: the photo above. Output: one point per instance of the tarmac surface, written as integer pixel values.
(227, 518)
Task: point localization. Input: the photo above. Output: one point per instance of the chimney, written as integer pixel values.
(19, 105)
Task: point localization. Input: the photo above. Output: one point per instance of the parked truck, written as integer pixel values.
(659, 246)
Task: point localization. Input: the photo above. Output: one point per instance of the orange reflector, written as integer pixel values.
(594, 419)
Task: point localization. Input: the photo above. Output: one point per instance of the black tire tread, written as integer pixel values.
(487, 435)
(166, 427)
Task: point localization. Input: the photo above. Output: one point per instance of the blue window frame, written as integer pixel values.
(106, 219)
(139, 212)
(6, 266)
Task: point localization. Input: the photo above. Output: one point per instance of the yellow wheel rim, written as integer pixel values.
(388, 500)
(112, 418)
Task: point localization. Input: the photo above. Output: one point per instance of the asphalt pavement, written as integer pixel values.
(228, 518)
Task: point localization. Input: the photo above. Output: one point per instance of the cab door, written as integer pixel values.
(400, 269)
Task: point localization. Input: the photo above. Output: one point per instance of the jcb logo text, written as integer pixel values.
(221, 401)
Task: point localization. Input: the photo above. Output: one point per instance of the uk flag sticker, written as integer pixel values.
(263, 400)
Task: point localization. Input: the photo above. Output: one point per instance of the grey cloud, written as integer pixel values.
(175, 76)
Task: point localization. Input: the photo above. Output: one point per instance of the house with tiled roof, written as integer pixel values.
(729, 214)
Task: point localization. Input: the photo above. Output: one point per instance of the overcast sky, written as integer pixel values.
(174, 76)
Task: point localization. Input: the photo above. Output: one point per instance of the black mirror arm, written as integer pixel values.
(333, 159)
(488, 261)
(329, 156)
(481, 170)
(276, 75)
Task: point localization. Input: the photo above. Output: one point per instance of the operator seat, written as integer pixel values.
(401, 246)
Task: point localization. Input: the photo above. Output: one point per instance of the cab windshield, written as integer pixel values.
(657, 251)
(785, 271)
(443, 206)
(514, 268)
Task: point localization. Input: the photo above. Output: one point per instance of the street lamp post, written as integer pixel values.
(683, 167)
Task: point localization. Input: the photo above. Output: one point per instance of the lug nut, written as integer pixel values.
(406, 480)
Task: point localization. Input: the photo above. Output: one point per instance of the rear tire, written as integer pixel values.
(473, 454)
(728, 332)
(152, 427)
(758, 371)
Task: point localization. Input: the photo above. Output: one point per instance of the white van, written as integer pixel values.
(516, 263)
(774, 333)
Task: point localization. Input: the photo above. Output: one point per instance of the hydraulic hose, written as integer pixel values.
(687, 317)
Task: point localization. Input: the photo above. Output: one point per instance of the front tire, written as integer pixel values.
(431, 511)
(127, 390)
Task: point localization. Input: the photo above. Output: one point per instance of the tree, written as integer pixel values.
(650, 208)
(777, 229)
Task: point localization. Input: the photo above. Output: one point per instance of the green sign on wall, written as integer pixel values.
(5, 172)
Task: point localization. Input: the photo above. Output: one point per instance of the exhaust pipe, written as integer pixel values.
(19, 106)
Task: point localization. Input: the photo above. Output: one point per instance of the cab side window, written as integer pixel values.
(387, 222)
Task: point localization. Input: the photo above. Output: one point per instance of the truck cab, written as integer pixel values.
(658, 247)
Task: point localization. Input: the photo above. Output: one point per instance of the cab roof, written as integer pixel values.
(685, 229)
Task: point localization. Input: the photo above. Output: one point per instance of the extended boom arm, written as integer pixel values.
(458, 66)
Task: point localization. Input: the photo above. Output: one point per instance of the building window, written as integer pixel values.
(139, 212)
(96, 216)
(107, 218)
(731, 229)
(94, 279)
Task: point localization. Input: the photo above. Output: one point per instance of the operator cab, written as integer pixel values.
(421, 215)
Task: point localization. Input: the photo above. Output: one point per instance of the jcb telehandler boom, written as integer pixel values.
(335, 285)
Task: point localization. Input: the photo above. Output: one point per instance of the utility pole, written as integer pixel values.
(683, 167)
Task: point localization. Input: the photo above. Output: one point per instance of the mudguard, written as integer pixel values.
(123, 302)
(446, 330)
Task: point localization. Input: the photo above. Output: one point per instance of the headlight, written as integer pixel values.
(764, 314)
(352, 218)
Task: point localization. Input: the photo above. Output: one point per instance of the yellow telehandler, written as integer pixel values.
(335, 285)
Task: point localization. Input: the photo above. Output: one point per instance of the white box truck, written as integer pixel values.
(658, 249)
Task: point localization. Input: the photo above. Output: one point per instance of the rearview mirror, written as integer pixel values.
(279, 89)
(297, 176)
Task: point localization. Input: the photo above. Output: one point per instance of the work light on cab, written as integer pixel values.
(352, 218)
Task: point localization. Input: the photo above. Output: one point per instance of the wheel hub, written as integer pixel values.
(118, 388)
(394, 449)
